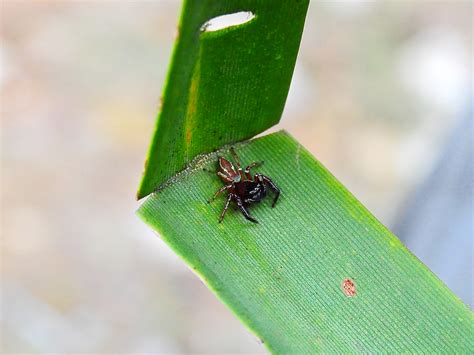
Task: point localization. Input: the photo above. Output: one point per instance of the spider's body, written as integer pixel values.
(243, 189)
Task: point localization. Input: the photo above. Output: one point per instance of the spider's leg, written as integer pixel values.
(251, 166)
(218, 192)
(237, 161)
(229, 198)
(235, 156)
(272, 185)
(244, 211)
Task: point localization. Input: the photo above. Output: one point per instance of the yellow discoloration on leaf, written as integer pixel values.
(189, 125)
(395, 243)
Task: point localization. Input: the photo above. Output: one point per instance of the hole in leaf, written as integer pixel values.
(225, 21)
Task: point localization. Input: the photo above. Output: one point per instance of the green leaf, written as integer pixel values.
(223, 86)
(283, 277)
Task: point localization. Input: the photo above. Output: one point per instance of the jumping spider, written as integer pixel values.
(242, 188)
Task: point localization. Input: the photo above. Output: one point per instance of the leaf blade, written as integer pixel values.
(223, 86)
(283, 277)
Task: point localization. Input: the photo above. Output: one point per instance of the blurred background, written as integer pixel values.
(382, 95)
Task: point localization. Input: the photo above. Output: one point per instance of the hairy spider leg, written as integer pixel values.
(226, 207)
(272, 185)
(237, 161)
(235, 156)
(244, 211)
(251, 166)
(218, 192)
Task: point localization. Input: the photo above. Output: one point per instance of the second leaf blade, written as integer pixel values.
(223, 86)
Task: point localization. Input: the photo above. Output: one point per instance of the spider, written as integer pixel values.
(242, 188)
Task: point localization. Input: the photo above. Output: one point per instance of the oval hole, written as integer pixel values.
(225, 21)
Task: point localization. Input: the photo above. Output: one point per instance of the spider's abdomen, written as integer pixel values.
(227, 172)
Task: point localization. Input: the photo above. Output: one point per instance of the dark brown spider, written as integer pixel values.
(242, 188)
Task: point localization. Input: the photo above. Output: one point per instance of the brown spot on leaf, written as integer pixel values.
(348, 287)
(188, 136)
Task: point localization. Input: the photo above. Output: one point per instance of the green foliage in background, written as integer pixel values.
(223, 86)
(283, 277)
